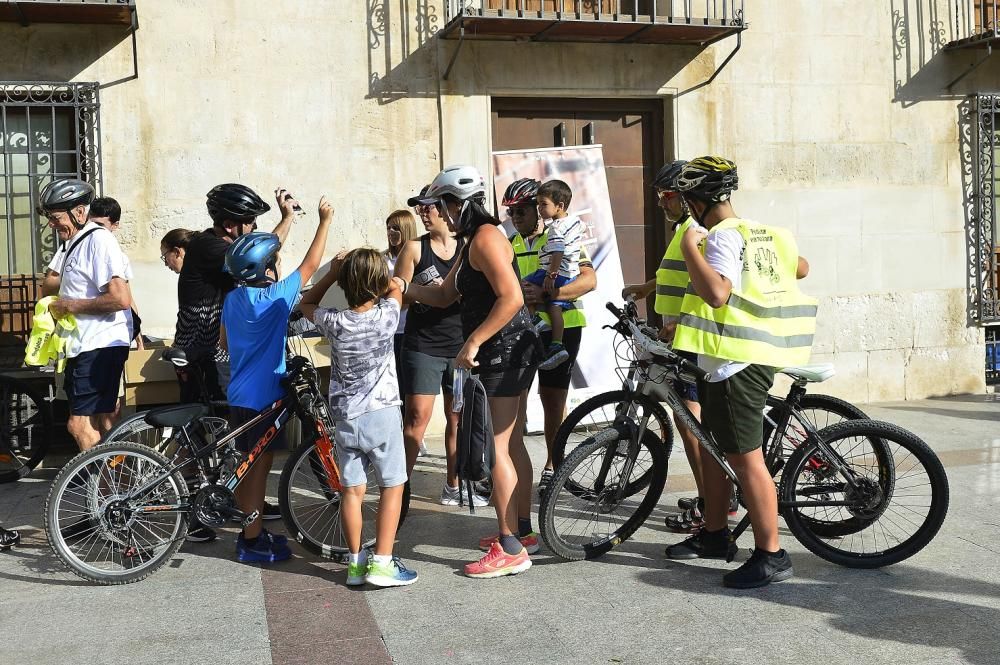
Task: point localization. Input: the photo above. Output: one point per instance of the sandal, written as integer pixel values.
(689, 521)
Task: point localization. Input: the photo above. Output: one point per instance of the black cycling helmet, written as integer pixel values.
(64, 195)
(708, 179)
(235, 202)
(666, 177)
(521, 192)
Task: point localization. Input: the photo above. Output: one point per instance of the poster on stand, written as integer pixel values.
(582, 168)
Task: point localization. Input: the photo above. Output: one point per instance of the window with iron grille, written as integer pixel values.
(980, 138)
(47, 131)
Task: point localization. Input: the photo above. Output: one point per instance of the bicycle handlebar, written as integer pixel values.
(629, 326)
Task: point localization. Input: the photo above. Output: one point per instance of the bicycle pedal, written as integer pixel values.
(251, 518)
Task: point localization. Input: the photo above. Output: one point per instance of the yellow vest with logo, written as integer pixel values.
(49, 336)
(672, 277)
(527, 263)
(768, 321)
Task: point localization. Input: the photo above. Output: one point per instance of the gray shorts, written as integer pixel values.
(425, 374)
(373, 439)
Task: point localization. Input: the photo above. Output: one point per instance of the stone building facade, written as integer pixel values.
(837, 113)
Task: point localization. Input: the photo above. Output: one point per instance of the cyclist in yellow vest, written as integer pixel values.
(553, 384)
(670, 283)
(744, 316)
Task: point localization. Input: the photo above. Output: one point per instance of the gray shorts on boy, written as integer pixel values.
(374, 438)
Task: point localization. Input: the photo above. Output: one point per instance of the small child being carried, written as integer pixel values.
(364, 404)
(559, 262)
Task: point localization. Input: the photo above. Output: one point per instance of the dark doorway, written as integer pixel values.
(631, 131)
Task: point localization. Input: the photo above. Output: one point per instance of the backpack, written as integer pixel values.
(475, 438)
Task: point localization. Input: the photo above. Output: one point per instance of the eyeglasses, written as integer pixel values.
(517, 212)
(163, 256)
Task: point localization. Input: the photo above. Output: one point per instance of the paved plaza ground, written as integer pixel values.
(631, 606)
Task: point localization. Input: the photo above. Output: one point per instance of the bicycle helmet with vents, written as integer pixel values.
(234, 202)
(708, 179)
(250, 256)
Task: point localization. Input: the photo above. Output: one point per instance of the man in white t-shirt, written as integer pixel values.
(93, 288)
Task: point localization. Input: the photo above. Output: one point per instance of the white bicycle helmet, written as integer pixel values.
(462, 182)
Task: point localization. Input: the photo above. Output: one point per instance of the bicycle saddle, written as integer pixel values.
(176, 416)
(811, 373)
(176, 355)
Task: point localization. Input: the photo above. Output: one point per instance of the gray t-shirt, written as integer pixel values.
(362, 367)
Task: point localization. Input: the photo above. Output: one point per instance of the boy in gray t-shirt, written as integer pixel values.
(364, 402)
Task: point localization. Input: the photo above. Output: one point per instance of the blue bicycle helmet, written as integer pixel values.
(250, 256)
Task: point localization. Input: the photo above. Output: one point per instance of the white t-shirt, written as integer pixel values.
(85, 275)
(363, 368)
(724, 252)
(563, 235)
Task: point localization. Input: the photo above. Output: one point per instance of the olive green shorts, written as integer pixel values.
(733, 409)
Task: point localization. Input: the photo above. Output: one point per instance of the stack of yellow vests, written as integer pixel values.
(49, 336)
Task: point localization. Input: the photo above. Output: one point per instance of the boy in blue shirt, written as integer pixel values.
(254, 328)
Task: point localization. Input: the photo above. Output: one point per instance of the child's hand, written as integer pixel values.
(549, 285)
(325, 210)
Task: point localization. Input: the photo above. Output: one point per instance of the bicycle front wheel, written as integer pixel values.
(597, 413)
(25, 429)
(97, 531)
(587, 509)
(892, 515)
(311, 502)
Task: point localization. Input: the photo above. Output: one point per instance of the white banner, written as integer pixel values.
(582, 168)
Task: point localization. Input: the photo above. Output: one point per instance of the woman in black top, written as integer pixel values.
(431, 340)
(501, 346)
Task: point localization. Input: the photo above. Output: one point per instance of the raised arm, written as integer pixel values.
(287, 208)
(439, 295)
(312, 298)
(406, 263)
(708, 283)
(314, 256)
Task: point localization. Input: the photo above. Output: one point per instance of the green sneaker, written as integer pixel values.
(356, 572)
(393, 573)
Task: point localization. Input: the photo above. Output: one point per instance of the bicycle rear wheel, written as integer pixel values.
(819, 410)
(99, 534)
(586, 511)
(25, 429)
(597, 413)
(310, 504)
(892, 516)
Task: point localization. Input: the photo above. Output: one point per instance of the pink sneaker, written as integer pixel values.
(497, 563)
(530, 542)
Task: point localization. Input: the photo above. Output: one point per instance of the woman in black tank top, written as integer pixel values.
(431, 340)
(501, 346)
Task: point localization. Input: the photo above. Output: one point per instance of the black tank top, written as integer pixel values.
(431, 330)
(516, 344)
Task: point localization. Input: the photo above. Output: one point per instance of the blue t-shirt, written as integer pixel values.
(256, 321)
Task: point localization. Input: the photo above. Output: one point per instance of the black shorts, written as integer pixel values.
(92, 379)
(245, 442)
(561, 375)
(509, 382)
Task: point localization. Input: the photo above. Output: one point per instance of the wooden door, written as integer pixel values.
(631, 131)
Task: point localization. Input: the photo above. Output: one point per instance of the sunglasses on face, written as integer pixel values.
(666, 194)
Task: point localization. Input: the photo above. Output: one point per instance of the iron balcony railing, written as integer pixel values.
(973, 22)
(705, 12)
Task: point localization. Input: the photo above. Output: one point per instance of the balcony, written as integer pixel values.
(107, 12)
(691, 22)
(974, 24)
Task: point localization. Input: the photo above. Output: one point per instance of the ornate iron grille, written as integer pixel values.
(47, 131)
(984, 277)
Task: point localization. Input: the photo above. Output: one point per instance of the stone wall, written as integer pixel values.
(324, 98)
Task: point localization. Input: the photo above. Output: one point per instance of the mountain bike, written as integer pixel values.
(25, 428)
(860, 493)
(118, 512)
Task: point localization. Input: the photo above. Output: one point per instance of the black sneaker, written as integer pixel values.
(702, 545)
(8, 539)
(555, 355)
(689, 502)
(200, 534)
(760, 569)
(545, 480)
(270, 512)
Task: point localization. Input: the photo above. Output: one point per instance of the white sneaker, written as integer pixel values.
(422, 451)
(450, 497)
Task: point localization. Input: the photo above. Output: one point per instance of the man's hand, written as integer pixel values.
(549, 285)
(637, 291)
(533, 294)
(286, 204)
(325, 211)
(61, 307)
(667, 331)
(693, 236)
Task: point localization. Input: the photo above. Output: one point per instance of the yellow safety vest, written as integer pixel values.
(672, 277)
(527, 263)
(49, 336)
(768, 321)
